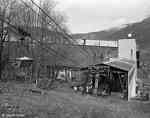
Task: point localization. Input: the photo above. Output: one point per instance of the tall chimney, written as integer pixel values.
(138, 57)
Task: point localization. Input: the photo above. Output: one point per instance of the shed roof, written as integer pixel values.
(24, 58)
(123, 64)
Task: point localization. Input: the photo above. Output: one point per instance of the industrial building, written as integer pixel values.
(113, 61)
(116, 73)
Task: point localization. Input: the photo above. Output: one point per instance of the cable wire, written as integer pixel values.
(68, 36)
(56, 53)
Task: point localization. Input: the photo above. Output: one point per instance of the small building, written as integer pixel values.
(128, 50)
(124, 71)
(120, 73)
(23, 68)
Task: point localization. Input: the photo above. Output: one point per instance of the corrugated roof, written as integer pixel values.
(24, 58)
(123, 64)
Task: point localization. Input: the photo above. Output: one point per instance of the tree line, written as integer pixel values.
(32, 21)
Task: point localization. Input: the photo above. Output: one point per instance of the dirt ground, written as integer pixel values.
(62, 102)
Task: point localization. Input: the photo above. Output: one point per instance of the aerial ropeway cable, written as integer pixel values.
(65, 35)
(45, 48)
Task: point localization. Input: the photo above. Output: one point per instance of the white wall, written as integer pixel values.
(132, 84)
(61, 75)
(127, 49)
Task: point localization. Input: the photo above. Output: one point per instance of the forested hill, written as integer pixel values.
(140, 31)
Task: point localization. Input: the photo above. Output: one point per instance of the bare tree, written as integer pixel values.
(34, 21)
(50, 32)
(6, 9)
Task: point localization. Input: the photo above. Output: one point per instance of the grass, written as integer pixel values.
(64, 103)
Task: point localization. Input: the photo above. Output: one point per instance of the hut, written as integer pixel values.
(23, 68)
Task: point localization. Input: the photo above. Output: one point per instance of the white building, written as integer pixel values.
(127, 61)
(128, 50)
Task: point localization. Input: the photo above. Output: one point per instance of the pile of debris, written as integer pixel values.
(44, 83)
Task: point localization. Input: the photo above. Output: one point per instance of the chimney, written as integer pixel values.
(138, 57)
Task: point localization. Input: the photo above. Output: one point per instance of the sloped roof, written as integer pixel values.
(24, 58)
(123, 64)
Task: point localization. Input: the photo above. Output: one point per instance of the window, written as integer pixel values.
(131, 53)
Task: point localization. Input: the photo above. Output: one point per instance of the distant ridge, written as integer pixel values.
(140, 31)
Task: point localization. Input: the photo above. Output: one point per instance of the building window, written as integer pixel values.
(131, 53)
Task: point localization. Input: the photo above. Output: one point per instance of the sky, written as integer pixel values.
(95, 15)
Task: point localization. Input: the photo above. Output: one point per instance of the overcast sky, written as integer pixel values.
(95, 15)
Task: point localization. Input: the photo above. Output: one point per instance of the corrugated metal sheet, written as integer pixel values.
(123, 64)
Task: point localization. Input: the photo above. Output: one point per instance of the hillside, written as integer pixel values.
(140, 31)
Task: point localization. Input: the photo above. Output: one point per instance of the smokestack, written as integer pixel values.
(138, 57)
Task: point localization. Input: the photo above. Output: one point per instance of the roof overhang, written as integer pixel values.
(123, 64)
(24, 59)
